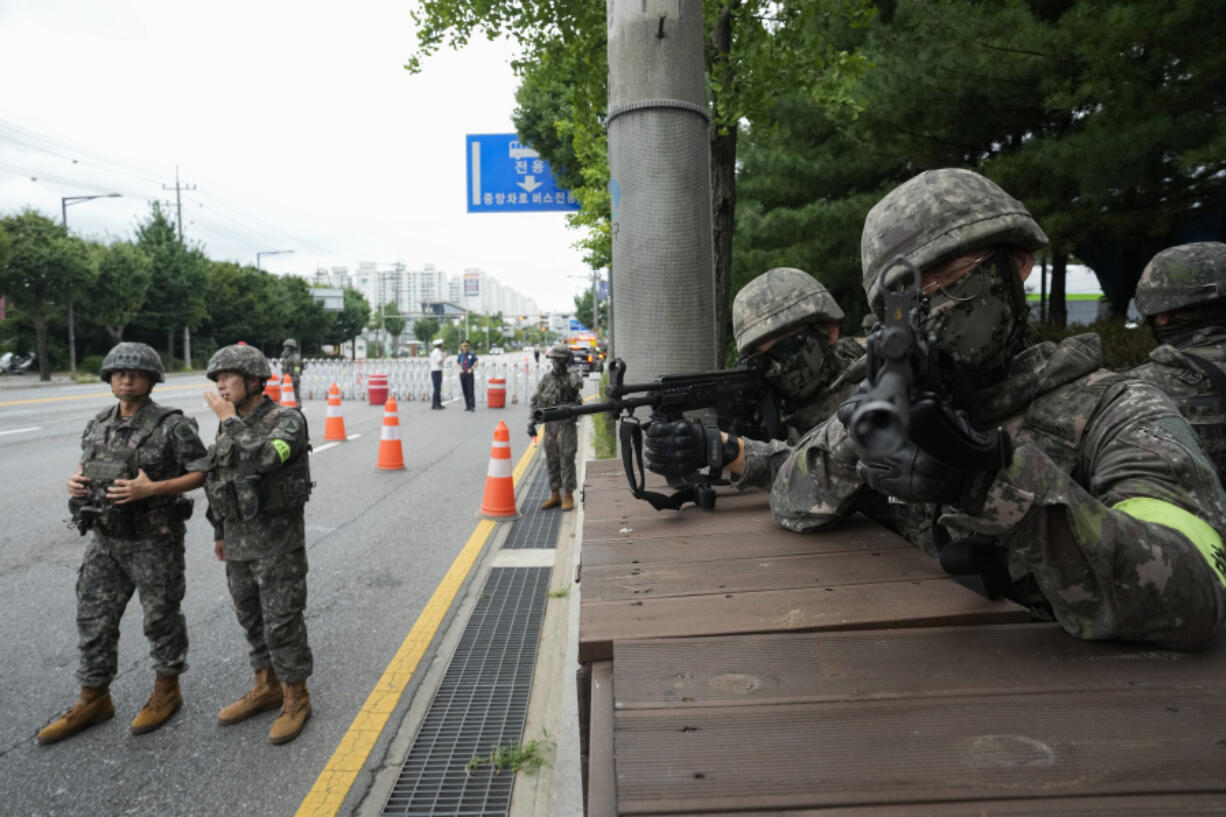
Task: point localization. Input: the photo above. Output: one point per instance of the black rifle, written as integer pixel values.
(741, 399)
(908, 399)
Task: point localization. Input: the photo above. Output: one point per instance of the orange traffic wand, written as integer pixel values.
(334, 424)
(273, 388)
(287, 392)
(499, 499)
(391, 455)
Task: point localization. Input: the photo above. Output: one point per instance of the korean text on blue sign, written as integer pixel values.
(505, 176)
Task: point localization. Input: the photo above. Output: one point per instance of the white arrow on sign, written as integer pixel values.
(529, 183)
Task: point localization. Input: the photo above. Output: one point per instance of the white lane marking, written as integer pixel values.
(326, 446)
(21, 430)
(355, 436)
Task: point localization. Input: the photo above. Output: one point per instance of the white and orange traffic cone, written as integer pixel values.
(288, 398)
(273, 388)
(391, 455)
(334, 424)
(499, 499)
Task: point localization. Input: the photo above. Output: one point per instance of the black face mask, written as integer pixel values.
(796, 366)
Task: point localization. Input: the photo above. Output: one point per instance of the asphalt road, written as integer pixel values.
(378, 544)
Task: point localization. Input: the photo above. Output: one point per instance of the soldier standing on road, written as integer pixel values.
(137, 460)
(291, 364)
(468, 364)
(1106, 514)
(437, 356)
(559, 387)
(1182, 294)
(258, 485)
(790, 321)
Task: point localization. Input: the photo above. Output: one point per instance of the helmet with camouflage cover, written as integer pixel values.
(937, 215)
(129, 355)
(1182, 276)
(778, 300)
(246, 360)
(559, 351)
(290, 343)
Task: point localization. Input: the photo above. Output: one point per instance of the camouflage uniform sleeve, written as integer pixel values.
(763, 459)
(269, 453)
(817, 486)
(1134, 551)
(189, 451)
(533, 404)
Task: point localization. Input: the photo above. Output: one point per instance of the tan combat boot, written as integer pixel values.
(164, 702)
(266, 694)
(95, 706)
(568, 501)
(555, 499)
(294, 713)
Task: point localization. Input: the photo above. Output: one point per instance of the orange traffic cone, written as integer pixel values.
(287, 392)
(499, 499)
(391, 455)
(273, 388)
(334, 425)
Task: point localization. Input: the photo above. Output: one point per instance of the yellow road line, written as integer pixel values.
(326, 796)
(157, 390)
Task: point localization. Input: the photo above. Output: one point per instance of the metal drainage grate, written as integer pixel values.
(482, 703)
(537, 528)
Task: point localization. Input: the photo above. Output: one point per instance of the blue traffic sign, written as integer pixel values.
(505, 176)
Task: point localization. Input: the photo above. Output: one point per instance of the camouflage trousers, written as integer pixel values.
(110, 572)
(560, 443)
(269, 598)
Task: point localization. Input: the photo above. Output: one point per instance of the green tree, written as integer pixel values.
(243, 305)
(583, 311)
(450, 333)
(180, 279)
(118, 293)
(393, 323)
(303, 317)
(349, 322)
(43, 266)
(424, 329)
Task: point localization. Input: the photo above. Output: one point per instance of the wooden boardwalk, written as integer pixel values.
(730, 667)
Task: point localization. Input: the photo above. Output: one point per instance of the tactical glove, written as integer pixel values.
(682, 447)
(913, 475)
(531, 428)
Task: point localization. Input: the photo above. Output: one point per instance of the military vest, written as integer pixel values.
(237, 491)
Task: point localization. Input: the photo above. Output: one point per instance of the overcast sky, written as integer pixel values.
(295, 121)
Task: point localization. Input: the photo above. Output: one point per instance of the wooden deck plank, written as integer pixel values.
(1015, 659)
(681, 578)
(920, 603)
(602, 780)
(931, 750)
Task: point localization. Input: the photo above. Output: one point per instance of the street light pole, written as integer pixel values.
(72, 333)
(262, 253)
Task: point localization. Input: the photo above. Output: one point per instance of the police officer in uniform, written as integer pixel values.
(258, 485)
(1182, 294)
(559, 387)
(137, 460)
(789, 320)
(1106, 515)
(291, 364)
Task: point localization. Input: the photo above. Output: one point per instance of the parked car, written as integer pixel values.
(580, 359)
(496, 350)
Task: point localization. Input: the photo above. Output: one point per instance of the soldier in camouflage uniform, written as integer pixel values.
(1182, 294)
(291, 364)
(258, 486)
(1106, 516)
(137, 460)
(788, 318)
(559, 387)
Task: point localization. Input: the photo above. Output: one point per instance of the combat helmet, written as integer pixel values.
(559, 351)
(246, 360)
(129, 355)
(289, 343)
(778, 300)
(1182, 276)
(940, 214)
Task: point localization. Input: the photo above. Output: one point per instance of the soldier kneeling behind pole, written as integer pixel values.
(258, 485)
(137, 460)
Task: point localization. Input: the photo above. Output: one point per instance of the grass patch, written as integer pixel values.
(605, 428)
(560, 593)
(83, 377)
(528, 758)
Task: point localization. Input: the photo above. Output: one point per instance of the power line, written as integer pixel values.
(179, 199)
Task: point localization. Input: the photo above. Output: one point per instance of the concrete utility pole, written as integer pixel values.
(660, 185)
(187, 333)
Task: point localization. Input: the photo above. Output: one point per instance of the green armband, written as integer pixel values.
(1199, 532)
(283, 449)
